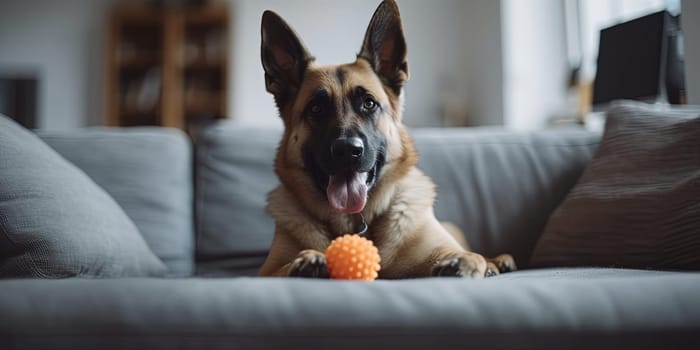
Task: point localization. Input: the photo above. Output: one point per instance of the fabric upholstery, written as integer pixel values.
(233, 176)
(569, 308)
(148, 171)
(55, 222)
(638, 201)
(498, 186)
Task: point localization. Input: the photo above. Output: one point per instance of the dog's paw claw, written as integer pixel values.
(309, 264)
(491, 270)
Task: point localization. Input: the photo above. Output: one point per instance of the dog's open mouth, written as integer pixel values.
(347, 193)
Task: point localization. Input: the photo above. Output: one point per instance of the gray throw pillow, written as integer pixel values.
(637, 204)
(55, 222)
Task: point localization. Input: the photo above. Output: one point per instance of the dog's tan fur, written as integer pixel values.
(399, 209)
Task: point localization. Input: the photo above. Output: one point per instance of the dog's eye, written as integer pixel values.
(369, 104)
(315, 109)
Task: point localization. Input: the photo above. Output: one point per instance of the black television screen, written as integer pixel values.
(631, 60)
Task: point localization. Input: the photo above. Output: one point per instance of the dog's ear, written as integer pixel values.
(385, 46)
(284, 58)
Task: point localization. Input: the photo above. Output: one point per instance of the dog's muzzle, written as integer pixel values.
(348, 185)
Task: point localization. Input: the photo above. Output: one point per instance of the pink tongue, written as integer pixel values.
(347, 193)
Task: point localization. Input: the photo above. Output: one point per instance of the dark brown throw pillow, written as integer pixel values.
(637, 204)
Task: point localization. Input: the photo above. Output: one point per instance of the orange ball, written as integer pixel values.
(352, 257)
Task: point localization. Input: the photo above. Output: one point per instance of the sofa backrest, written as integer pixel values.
(233, 174)
(148, 171)
(498, 186)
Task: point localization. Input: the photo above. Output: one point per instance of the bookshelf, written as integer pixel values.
(166, 66)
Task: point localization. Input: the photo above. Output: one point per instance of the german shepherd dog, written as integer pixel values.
(346, 160)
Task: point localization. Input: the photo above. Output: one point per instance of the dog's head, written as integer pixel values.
(342, 123)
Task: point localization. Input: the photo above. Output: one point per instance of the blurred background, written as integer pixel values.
(521, 64)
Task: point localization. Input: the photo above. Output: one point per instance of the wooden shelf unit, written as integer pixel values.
(167, 66)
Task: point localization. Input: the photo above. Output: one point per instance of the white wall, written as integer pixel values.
(453, 40)
(62, 42)
(454, 50)
(534, 62)
(483, 50)
(690, 14)
(498, 59)
(316, 23)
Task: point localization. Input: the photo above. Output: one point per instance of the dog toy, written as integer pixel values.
(352, 257)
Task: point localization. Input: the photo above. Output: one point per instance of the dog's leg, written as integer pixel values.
(494, 266)
(456, 233)
(431, 251)
(456, 263)
(289, 258)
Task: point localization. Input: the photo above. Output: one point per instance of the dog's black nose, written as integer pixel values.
(347, 148)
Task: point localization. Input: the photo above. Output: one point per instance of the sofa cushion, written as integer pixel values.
(233, 176)
(55, 222)
(537, 309)
(148, 171)
(638, 202)
(498, 186)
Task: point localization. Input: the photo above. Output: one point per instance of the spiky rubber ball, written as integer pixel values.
(353, 257)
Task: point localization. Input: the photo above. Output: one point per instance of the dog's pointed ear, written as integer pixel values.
(385, 46)
(284, 57)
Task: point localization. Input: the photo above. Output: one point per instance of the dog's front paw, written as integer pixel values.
(461, 265)
(500, 264)
(505, 263)
(309, 263)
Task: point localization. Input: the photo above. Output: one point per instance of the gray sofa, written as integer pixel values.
(200, 208)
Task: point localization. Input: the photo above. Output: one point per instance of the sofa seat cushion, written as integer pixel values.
(56, 222)
(536, 309)
(148, 171)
